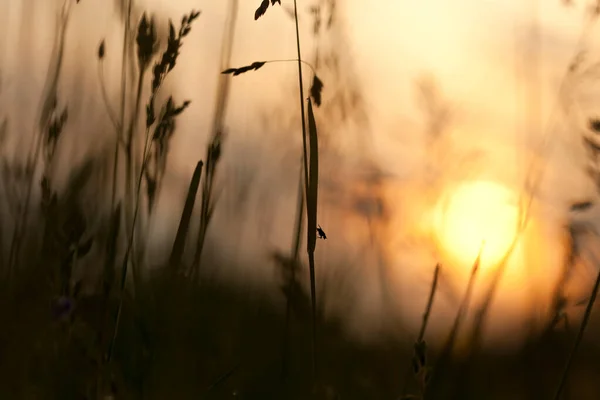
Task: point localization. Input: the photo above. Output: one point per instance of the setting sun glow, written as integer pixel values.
(476, 216)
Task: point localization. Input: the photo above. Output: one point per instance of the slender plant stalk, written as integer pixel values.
(205, 208)
(446, 352)
(533, 179)
(299, 218)
(121, 133)
(311, 260)
(425, 321)
(584, 323)
(558, 301)
(563, 379)
(108, 279)
(217, 129)
(119, 138)
(301, 86)
(586, 316)
(427, 312)
(309, 65)
(296, 261)
(224, 82)
(481, 314)
(131, 168)
(131, 148)
(36, 145)
(147, 148)
(311, 216)
(111, 115)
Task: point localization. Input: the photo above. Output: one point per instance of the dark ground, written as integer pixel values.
(179, 342)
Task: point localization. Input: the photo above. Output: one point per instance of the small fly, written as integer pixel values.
(321, 232)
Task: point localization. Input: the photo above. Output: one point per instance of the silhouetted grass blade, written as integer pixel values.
(179, 244)
(313, 179)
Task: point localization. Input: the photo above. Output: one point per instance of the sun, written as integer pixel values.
(477, 216)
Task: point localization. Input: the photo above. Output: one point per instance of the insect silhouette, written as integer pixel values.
(321, 232)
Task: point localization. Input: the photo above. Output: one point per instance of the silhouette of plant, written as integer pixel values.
(156, 145)
(262, 9)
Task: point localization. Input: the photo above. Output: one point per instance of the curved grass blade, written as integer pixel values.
(313, 179)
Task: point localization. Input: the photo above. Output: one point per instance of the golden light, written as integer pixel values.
(479, 215)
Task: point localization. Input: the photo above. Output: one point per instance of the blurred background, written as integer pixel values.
(458, 173)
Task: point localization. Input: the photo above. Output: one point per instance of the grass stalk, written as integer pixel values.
(311, 228)
(559, 298)
(584, 323)
(131, 167)
(216, 135)
(426, 314)
(184, 223)
(311, 214)
(301, 87)
(476, 335)
(113, 118)
(207, 204)
(51, 87)
(296, 261)
(445, 356)
(130, 240)
(123, 105)
(147, 45)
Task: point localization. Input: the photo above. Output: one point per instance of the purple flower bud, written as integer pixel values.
(62, 307)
